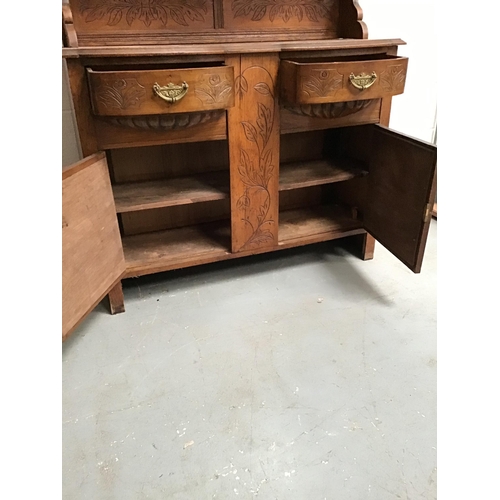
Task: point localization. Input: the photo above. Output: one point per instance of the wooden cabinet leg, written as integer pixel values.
(367, 246)
(116, 300)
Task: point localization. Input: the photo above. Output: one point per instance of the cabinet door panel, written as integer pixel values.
(92, 254)
(401, 190)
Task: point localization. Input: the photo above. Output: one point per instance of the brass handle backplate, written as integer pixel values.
(362, 81)
(171, 92)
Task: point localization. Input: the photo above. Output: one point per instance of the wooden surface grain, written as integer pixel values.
(254, 139)
(228, 48)
(322, 82)
(93, 260)
(133, 196)
(130, 93)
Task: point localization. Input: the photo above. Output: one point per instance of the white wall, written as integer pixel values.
(413, 113)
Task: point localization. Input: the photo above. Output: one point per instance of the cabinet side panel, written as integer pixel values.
(254, 153)
(81, 101)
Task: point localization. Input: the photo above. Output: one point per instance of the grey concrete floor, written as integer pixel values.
(301, 375)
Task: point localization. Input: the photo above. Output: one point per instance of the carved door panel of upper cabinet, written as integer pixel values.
(92, 253)
(400, 193)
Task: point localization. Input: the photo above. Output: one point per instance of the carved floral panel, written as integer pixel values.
(213, 89)
(280, 13)
(121, 94)
(322, 83)
(393, 78)
(255, 157)
(145, 13)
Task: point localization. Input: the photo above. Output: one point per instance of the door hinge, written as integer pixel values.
(428, 212)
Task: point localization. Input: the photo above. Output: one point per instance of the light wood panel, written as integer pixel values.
(92, 255)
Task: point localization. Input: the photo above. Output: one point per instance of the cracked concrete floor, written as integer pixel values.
(301, 375)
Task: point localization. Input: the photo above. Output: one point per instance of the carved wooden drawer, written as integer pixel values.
(342, 80)
(158, 92)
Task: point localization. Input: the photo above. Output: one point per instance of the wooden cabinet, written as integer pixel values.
(235, 127)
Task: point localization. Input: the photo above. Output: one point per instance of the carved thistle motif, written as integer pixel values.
(328, 110)
(214, 90)
(322, 83)
(147, 11)
(166, 122)
(256, 165)
(393, 78)
(314, 10)
(122, 94)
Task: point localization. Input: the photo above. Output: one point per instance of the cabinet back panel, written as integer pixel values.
(352, 142)
(303, 197)
(173, 160)
(302, 146)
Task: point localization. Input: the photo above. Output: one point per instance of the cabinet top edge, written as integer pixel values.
(228, 48)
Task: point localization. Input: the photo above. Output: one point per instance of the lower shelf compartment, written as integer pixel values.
(176, 248)
(210, 242)
(315, 224)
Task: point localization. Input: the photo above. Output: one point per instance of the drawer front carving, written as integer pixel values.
(156, 92)
(324, 82)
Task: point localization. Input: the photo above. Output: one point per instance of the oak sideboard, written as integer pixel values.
(218, 129)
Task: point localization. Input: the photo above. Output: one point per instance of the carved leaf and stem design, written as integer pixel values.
(393, 78)
(122, 94)
(147, 11)
(314, 10)
(322, 83)
(256, 169)
(214, 90)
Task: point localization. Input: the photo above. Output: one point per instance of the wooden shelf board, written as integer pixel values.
(314, 224)
(210, 242)
(135, 196)
(176, 248)
(146, 195)
(314, 173)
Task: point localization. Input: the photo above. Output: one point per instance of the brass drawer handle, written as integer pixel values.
(171, 92)
(363, 81)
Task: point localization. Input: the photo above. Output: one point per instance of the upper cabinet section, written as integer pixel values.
(250, 15)
(149, 16)
(146, 22)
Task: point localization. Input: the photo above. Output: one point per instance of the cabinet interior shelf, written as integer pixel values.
(145, 195)
(210, 242)
(317, 172)
(135, 196)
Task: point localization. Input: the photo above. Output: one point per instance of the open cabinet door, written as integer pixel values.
(400, 195)
(92, 253)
